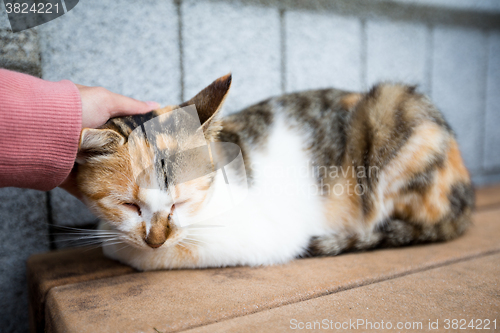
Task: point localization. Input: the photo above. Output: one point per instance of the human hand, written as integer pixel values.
(98, 106)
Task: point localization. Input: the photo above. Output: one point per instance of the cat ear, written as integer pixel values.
(95, 142)
(208, 102)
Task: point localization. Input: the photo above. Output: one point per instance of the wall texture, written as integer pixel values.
(168, 50)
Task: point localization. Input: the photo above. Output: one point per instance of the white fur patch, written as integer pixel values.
(272, 225)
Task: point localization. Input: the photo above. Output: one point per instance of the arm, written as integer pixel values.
(40, 125)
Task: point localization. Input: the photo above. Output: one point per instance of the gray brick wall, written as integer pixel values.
(166, 50)
(23, 231)
(322, 50)
(491, 148)
(458, 84)
(397, 51)
(222, 37)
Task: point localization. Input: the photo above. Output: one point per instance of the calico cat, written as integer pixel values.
(328, 171)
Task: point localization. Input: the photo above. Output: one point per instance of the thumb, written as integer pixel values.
(126, 106)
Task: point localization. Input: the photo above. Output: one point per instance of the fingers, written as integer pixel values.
(100, 104)
(126, 106)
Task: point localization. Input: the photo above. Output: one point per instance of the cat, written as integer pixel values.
(377, 169)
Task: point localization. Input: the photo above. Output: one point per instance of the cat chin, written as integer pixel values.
(146, 259)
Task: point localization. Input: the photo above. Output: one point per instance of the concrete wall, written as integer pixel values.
(166, 51)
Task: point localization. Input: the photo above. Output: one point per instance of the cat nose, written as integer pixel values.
(159, 232)
(156, 237)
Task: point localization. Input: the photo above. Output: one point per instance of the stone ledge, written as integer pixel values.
(488, 197)
(88, 293)
(463, 291)
(48, 270)
(192, 298)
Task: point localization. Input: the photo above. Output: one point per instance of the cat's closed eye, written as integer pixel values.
(133, 206)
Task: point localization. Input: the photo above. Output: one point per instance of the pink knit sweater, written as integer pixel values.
(40, 124)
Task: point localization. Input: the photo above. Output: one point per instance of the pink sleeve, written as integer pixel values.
(40, 124)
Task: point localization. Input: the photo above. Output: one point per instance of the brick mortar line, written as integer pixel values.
(352, 286)
(180, 26)
(283, 47)
(483, 95)
(429, 60)
(50, 221)
(388, 10)
(364, 55)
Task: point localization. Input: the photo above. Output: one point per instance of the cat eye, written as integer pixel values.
(133, 206)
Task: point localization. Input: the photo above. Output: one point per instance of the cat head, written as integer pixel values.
(144, 209)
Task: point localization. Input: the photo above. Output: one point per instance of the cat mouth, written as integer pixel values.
(154, 245)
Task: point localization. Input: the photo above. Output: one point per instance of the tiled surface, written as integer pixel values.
(423, 301)
(138, 302)
(219, 38)
(458, 86)
(397, 52)
(322, 50)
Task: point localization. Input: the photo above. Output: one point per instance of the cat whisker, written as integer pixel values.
(95, 245)
(90, 248)
(199, 244)
(86, 241)
(195, 240)
(74, 229)
(189, 243)
(73, 236)
(97, 239)
(111, 244)
(84, 235)
(201, 226)
(125, 245)
(190, 240)
(89, 242)
(197, 233)
(180, 244)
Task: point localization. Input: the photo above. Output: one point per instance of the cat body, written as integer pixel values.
(327, 171)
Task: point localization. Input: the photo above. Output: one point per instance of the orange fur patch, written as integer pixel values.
(342, 206)
(349, 101)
